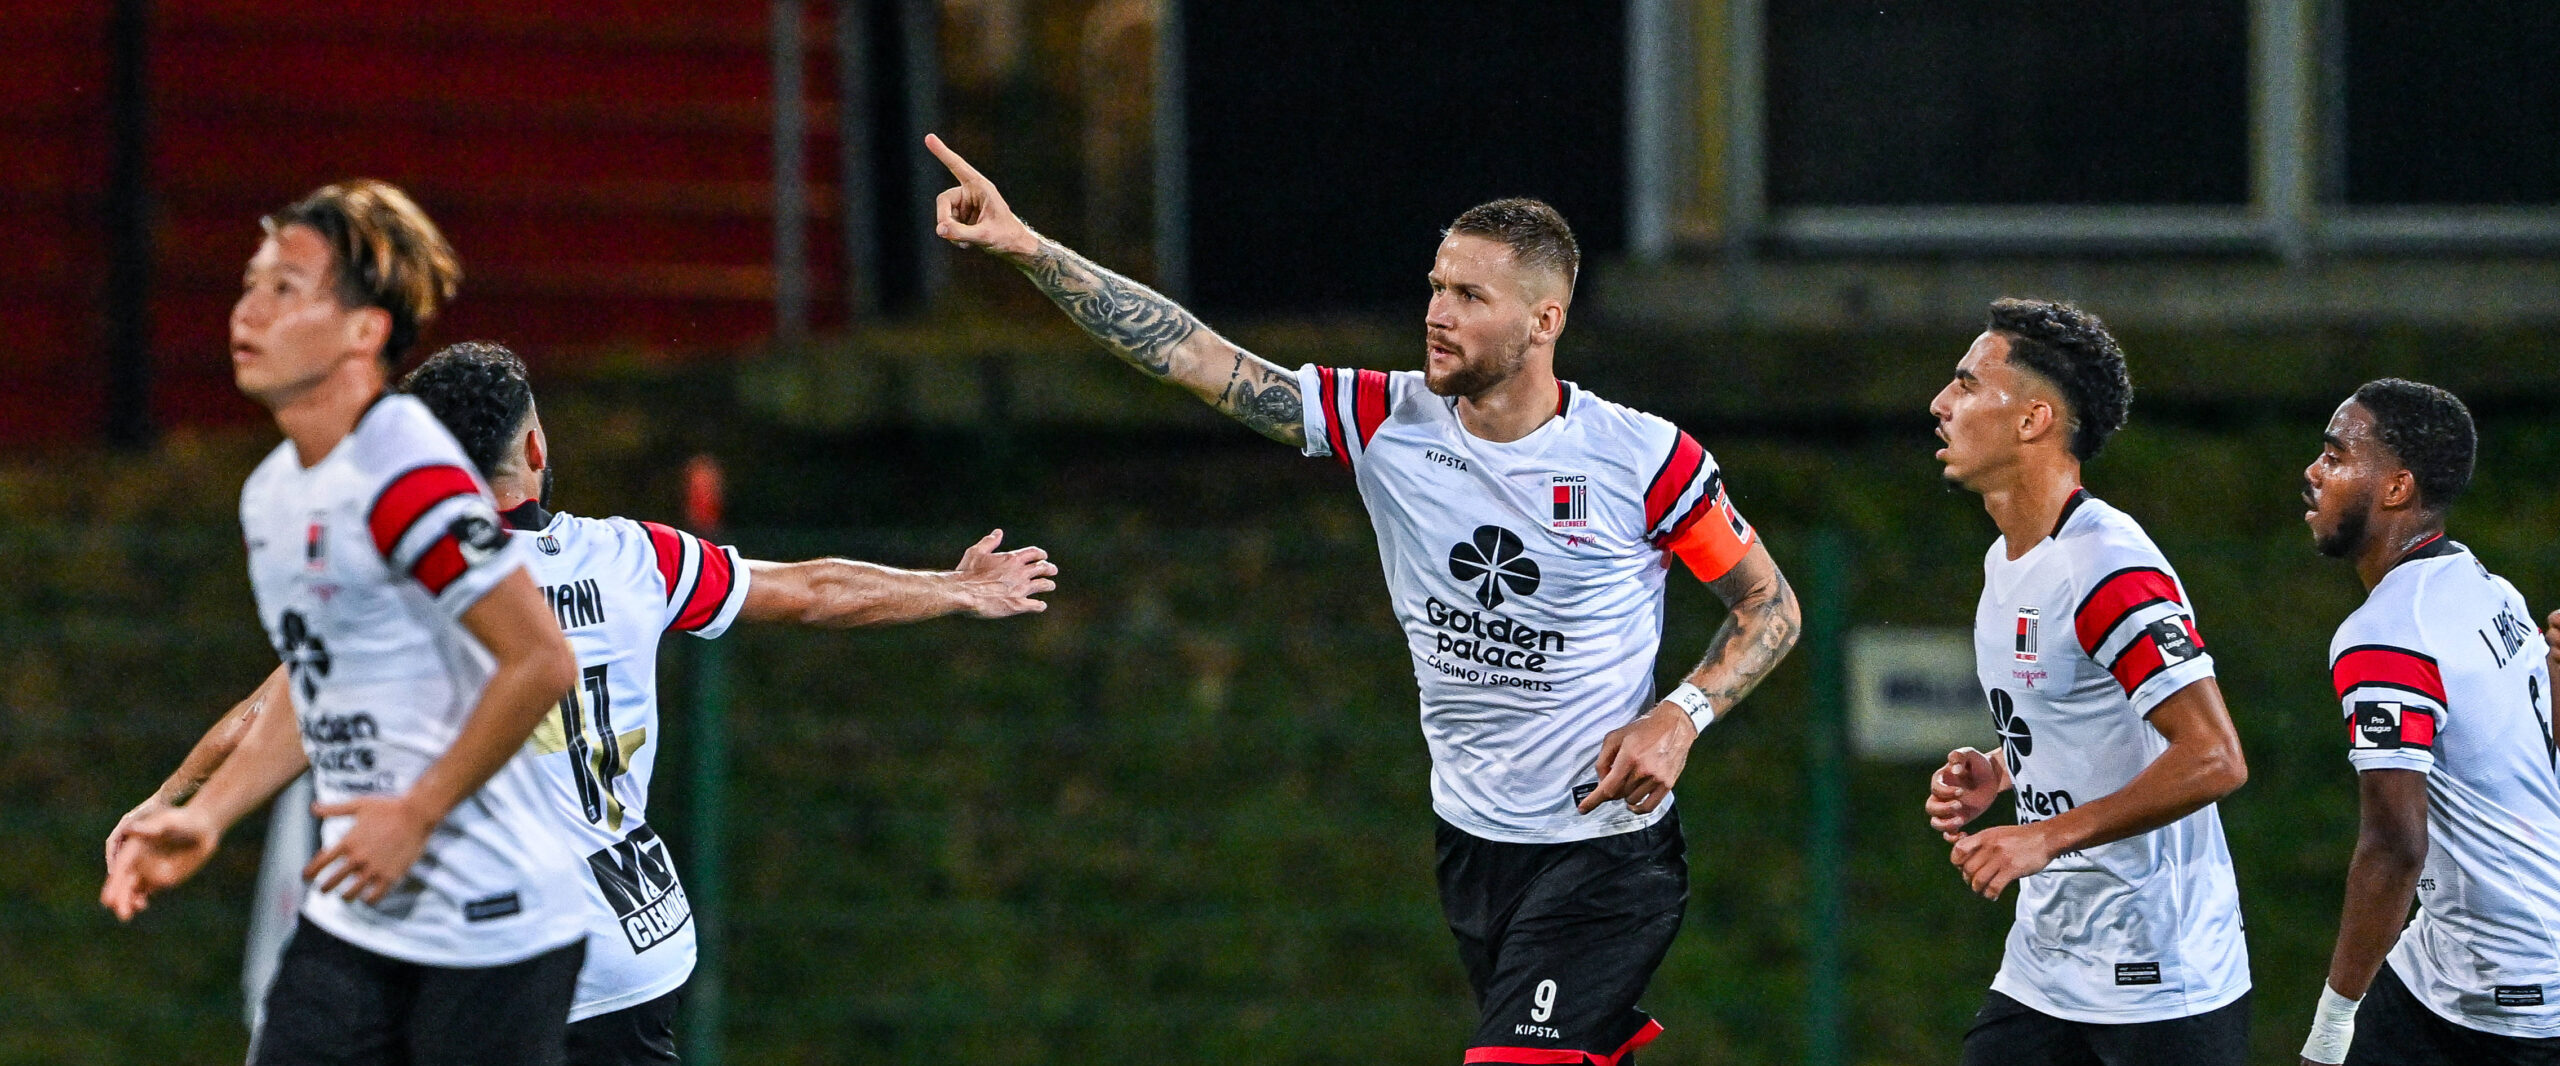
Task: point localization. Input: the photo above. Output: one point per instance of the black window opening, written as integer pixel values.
(1887, 103)
(2451, 103)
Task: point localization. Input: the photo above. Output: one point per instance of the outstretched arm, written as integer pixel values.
(1641, 760)
(1137, 323)
(842, 592)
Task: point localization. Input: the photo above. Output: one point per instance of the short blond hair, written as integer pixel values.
(388, 253)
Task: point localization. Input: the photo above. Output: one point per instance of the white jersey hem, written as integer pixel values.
(579, 1012)
(2035, 1000)
(1590, 829)
(388, 944)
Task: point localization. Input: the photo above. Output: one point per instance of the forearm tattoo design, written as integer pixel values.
(1145, 329)
(1747, 647)
(1135, 322)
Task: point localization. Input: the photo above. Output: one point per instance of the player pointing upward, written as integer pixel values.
(2127, 947)
(2447, 702)
(1525, 527)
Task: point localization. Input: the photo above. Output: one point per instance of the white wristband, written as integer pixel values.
(1694, 704)
(2333, 1027)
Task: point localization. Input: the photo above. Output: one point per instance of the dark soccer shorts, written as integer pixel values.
(2393, 1028)
(337, 1004)
(636, 1035)
(2009, 1033)
(1559, 940)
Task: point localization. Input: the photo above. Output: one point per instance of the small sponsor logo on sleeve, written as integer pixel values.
(481, 910)
(2518, 995)
(2137, 973)
(2175, 648)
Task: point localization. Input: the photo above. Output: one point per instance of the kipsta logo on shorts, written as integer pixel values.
(1495, 560)
(2016, 740)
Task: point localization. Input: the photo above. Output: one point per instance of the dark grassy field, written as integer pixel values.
(1181, 817)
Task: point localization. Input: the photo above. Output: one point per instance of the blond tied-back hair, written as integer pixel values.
(386, 251)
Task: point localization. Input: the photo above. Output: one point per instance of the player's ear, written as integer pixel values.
(1550, 321)
(2038, 418)
(369, 328)
(2400, 489)
(537, 452)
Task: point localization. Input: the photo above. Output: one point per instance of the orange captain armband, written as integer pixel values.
(1712, 540)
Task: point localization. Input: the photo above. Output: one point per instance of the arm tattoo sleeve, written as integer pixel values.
(1137, 323)
(1747, 647)
(1265, 399)
(1147, 330)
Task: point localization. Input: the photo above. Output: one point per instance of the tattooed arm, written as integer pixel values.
(1641, 760)
(1138, 324)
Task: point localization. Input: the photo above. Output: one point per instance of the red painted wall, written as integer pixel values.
(603, 168)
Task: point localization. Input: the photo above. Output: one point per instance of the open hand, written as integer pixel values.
(1960, 791)
(160, 850)
(1002, 584)
(376, 853)
(1994, 857)
(974, 214)
(1639, 761)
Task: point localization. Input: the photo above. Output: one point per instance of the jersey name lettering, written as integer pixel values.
(578, 603)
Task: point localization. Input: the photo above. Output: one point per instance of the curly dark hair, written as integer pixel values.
(2430, 430)
(2072, 349)
(1535, 232)
(478, 389)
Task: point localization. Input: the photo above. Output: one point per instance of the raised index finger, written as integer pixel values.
(959, 167)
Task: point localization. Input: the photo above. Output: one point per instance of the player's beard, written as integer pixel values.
(2348, 538)
(547, 473)
(1480, 376)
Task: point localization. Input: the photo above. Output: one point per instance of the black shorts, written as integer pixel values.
(1560, 939)
(336, 1004)
(2009, 1033)
(635, 1035)
(2393, 1028)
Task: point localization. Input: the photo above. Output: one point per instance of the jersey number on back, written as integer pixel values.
(594, 759)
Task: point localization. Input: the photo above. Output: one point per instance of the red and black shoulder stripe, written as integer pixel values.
(698, 575)
(1672, 479)
(2385, 666)
(2116, 597)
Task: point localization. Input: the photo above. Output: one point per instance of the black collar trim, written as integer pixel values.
(2069, 507)
(2434, 546)
(527, 515)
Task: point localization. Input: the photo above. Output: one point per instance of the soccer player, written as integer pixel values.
(441, 926)
(616, 586)
(2442, 681)
(1525, 527)
(2127, 946)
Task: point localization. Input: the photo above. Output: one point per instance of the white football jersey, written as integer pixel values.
(1528, 577)
(2441, 672)
(363, 564)
(2075, 643)
(616, 586)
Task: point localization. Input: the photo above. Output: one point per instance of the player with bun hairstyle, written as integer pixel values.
(2127, 947)
(617, 586)
(441, 925)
